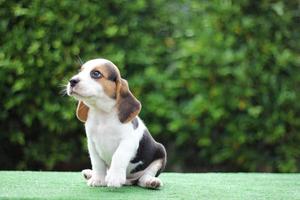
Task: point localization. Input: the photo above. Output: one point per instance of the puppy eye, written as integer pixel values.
(96, 74)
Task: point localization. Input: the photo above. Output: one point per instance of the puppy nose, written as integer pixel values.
(74, 81)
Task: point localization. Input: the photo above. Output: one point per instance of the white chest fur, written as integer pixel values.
(106, 132)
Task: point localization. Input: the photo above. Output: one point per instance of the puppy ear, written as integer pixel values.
(82, 111)
(128, 106)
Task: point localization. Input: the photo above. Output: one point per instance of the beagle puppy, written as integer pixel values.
(121, 149)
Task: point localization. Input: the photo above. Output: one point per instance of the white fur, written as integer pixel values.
(111, 144)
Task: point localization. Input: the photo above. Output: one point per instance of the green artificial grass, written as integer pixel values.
(71, 185)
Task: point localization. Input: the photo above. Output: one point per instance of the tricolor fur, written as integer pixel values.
(121, 149)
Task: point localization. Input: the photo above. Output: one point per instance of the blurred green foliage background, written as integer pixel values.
(219, 80)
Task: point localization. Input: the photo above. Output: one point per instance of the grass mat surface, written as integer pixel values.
(71, 185)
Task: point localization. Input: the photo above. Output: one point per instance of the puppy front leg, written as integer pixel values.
(116, 175)
(98, 167)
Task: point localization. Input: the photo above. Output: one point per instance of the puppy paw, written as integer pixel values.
(95, 181)
(115, 179)
(150, 182)
(154, 183)
(87, 173)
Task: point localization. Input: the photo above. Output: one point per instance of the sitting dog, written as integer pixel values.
(121, 149)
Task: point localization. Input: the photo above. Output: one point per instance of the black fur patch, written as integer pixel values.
(149, 150)
(112, 73)
(135, 123)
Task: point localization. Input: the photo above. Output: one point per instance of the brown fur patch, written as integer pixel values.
(82, 111)
(110, 74)
(128, 106)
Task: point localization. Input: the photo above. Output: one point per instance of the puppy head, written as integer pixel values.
(99, 85)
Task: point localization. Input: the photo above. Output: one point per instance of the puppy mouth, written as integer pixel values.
(76, 94)
(71, 92)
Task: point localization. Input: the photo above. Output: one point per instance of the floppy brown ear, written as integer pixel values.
(82, 111)
(128, 106)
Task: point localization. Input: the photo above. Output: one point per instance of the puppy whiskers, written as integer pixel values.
(79, 60)
(63, 91)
